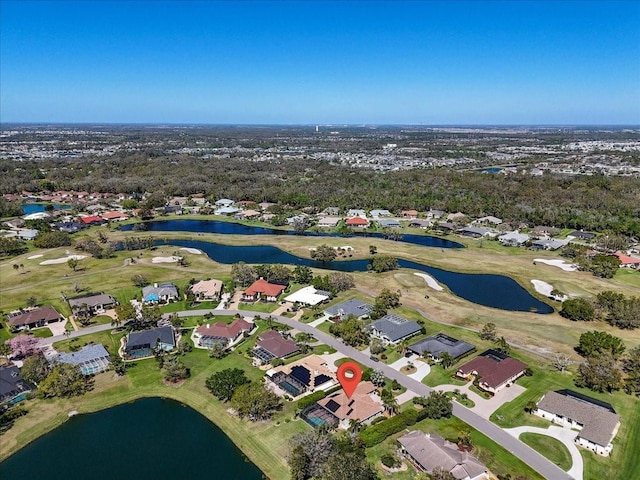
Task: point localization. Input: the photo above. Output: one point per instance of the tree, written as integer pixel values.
(254, 401)
(440, 473)
(176, 321)
(5, 350)
(388, 299)
(24, 345)
(279, 274)
(530, 407)
(625, 314)
(300, 224)
(65, 380)
(604, 266)
(597, 343)
(35, 368)
(218, 350)
(351, 330)
(52, 240)
(184, 346)
(502, 345)
(359, 468)
(317, 446)
(599, 374)
(298, 464)
(489, 332)
(243, 274)
(224, 383)
(376, 346)
(373, 249)
(118, 365)
(16, 267)
(174, 371)
(302, 274)
(125, 311)
(340, 282)
(631, 366)
(446, 360)
(437, 405)
(73, 263)
(139, 280)
(561, 361)
(324, 253)
(578, 309)
(378, 378)
(383, 263)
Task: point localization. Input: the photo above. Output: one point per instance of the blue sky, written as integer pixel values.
(414, 62)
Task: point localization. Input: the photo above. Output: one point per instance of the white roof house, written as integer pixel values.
(308, 296)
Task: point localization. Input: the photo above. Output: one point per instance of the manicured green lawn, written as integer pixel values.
(440, 376)
(549, 447)
(43, 332)
(265, 307)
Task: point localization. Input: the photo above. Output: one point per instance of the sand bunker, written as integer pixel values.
(567, 267)
(195, 251)
(545, 289)
(165, 259)
(63, 259)
(430, 281)
(33, 257)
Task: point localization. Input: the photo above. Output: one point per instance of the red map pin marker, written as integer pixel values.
(349, 375)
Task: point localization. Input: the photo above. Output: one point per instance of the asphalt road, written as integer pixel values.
(525, 453)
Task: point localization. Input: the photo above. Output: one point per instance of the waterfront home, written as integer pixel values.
(226, 211)
(488, 220)
(271, 345)
(428, 451)
(207, 290)
(94, 303)
(435, 345)
(308, 296)
(436, 214)
(596, 421)
(444, 227)
(263, 290)
(357, 308)
(33, 318)
(160, 293)
(493, 369)
(357, 222)
(420, 223)
(308, 374)
(329, 222)
(389, 223)
(224, 202)
(92, 220)
(393, 329)
(475, 232)
(548, 244)
(513, 239)
(226, 334)
(115, 216)
(143, 344)
(91, 359)
(363, 406)
(541, 231)
(13, 388)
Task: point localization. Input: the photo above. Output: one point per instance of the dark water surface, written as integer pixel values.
(150, 439)
(490, 290)
(29, 208)
(229, 228)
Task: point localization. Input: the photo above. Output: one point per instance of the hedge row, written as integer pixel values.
(309, 400)
(375, 434)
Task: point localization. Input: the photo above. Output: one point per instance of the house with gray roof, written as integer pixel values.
(581, 235)
(160, 293)
(224, 202)
(380, 213)
(428, 451)
(596, 421)
(393, 329)
(357, 308)
(329, 222)
(436, 345)
(95, 303)
(388, 223)
(488, 220)
(475, 232)
(549, 244)
(142, 344)
(356, 212)
(13, 388)
(91, 359)
(513, 239)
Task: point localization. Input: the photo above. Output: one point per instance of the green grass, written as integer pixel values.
(549, 447)
(440, 376)
(264, 307)
(43, 332)
(628, 276)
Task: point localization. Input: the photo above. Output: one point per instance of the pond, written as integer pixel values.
(490, 290)
(230, 228)
(151, 438)
(29, 208)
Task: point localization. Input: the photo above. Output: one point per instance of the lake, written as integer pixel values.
(230, 228)
(151, 438)
(29, 208)
(490, 290)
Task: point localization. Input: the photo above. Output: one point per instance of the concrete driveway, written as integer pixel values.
(57, 328)
(565, 435)
(485, 406)
(422, 368)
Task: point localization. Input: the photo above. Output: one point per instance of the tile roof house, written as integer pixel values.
(329, 222)
(141, 344)
(92, 220)
(363, 406)
(627, 261)
(596, 421)
(393, 329)
(308, 374)
(207, 290)
(115, 216)
(271, 344)
(225, 333)
(13, 388)
(428, 451)
(224, 202)
(440, 343)
(33, 318)
(488, 220)
(95, 302)
(354, 307)
(494, 370)
(409, 213)
(357, 222)
(263, 290)
(91, 359)
(513, 239)
(163, 292)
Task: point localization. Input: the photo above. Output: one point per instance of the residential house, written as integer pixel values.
(548, 244)
(308, 374)
(143, 344)
(421, 223)
(489, 220)
(475, 232)
(248, 214)
(445, 227)
(409, 214)
(389, 223)
(435, 214)
(494, 370)
(263, 290)
(115, 216)
(428, 451)
(545, 231)
(173, 210)
(226, 334)
(363, 406)
(435, 345)
(380, 213)
(207, 290)
(224, 202)
(513, 239)
(357, 308)
(26, 233)
(580, 235)
(356, 212)
(271, 345)
(13, 388)
(264, 205)
(92, 220)
(357, 222)
(91, 359)
(33, 318)
(94, 303)
(226, 211)
(596, 421)
(329, 222)
(392, 329)
(302, 218)
(160, 293)
(308, 296)
(626, 261)
(70, 227)
(452, 217)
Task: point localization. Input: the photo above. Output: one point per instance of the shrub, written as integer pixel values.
(380, 431)
(389, 461)
(309, 400)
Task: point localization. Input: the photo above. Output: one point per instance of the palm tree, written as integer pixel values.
(446, 359)
(391, 405)
(401, 348)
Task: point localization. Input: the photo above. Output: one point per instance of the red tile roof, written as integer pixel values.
(91, 219)
(626, 259)
(494, 373)
(113, 215)
(225, 330)
(273, 343)
(265, 288)
(357, 221)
